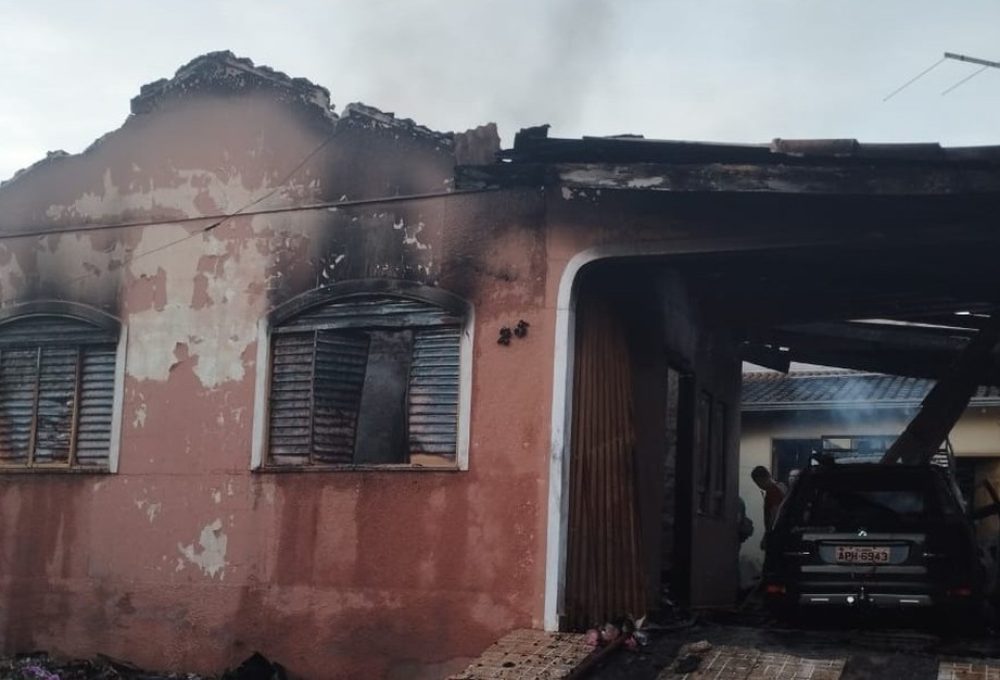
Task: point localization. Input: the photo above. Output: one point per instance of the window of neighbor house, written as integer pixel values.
(57, 387)
(857, 447)
(792, 454)
(365, 380)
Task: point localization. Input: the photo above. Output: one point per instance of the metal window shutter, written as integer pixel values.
(341, 361)
(331, 343)
(433, 393)
(370, 311)
(97, 395)
(290, 435)
(57, 380)
(56, 383)
(18, 375)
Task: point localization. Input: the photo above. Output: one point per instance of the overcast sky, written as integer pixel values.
(726, 70)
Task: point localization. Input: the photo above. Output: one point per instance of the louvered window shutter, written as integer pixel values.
(341, 358)
(97, 396)
(57, 382)
(18, 377)
(434, 384)
(316, 385)
(291, 398)
(322, 410)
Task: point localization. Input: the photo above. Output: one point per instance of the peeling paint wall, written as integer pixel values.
(363, 573)
(340, 574)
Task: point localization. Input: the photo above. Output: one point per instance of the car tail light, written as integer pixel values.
(774, 589)
(961, 591)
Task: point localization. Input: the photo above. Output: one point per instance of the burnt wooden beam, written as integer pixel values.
(798, 305)
(911, 365)
(901, 180)
(947, 401)
(973, 322)
(899, 336)
(882, 348)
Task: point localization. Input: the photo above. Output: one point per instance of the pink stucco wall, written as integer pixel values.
(185, 558)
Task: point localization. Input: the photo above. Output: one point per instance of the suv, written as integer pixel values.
(863, 535)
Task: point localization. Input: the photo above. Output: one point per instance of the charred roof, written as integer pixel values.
(533, 145)
(224, 73)
(782, 166)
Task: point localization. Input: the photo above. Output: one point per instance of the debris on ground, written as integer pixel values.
(41, 666)
(690, 656)
(623, 632)
(257, 667)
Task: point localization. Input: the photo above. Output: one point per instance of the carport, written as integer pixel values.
(879, 257)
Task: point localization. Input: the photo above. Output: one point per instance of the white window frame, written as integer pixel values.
(95, 316)
(388, 287)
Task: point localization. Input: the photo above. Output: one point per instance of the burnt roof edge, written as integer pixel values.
(533, 145)
(222, 72)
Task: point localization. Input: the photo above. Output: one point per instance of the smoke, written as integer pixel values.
(517, 63)
(573, 52)
(838, 403)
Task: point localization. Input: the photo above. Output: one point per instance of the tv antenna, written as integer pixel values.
(982, 63)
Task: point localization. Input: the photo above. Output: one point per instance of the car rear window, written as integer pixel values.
(878, 503)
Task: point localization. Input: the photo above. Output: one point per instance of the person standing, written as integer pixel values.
(773, 493)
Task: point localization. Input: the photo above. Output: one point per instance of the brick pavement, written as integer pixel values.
(969, 669)
(537, 655)
(746, 663)
(528, 655)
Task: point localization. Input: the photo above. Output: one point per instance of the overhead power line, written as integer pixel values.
(220, 219)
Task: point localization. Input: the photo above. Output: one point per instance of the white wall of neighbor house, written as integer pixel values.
(977, 434)
(758, 431)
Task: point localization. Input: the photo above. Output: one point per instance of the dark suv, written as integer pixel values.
(870, 535)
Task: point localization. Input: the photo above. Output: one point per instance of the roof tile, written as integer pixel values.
(841, 389)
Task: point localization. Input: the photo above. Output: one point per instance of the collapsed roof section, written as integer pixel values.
(835, 233)
(223, 74)
(533, 145)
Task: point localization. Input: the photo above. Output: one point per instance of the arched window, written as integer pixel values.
(368, 378)
(58, 381)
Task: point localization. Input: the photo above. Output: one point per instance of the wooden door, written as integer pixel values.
(604, 576)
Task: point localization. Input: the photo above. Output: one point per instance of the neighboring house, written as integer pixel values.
(786, 418)
(364, 396)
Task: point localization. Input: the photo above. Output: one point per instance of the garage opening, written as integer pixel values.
(653, 449)
(653, 474)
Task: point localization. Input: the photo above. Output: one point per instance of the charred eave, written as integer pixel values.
(849, 180)
(906, 350)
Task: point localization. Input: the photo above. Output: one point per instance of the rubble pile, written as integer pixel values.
(622, 632)
(41, 666)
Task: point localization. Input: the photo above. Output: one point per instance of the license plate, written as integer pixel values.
(862, 554)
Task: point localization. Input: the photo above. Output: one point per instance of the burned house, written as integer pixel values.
(364, 396)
